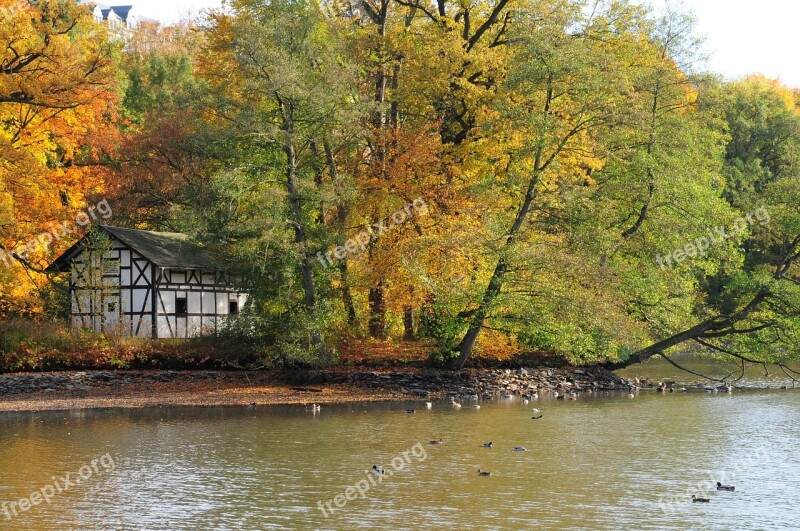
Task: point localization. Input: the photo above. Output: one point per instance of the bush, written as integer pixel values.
(41, 344)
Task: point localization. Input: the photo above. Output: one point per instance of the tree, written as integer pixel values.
(164, 158)
(282, 82)
(751, 305)
(566, 85)
(57, 102)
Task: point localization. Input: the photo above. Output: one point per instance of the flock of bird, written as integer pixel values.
(669, 387)
(662, 387)
(474, 397)
(526, 398)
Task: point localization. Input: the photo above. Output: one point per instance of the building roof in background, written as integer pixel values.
(121, 11)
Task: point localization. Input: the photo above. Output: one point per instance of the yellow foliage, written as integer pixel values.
(57, 106)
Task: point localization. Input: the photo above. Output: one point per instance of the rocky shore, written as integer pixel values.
(487, 382)
(99, 389)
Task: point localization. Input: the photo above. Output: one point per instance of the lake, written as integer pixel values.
(604, 461)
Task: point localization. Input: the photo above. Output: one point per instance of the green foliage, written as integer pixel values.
(564, 152)
(156, 82)
(625, 152)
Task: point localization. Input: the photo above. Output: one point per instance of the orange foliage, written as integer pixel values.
(57, 110)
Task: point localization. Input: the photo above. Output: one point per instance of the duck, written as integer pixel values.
(632, 392)
(525, 401)
(429, 405)
(662, 387)
(695, 499)
(537, 417)
(720, 486)
(572, 395)
(484, 472)
(313, 407)
(534, 396)
(410, 411)
(378, 470)
(556, 395)
(454, 403)
(535, 410)
(436, 441)
(488, 445)
(251, 405)
(476, 406)
(520, 449)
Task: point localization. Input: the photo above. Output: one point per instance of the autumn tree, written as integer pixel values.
(567, 83)
(57, 116)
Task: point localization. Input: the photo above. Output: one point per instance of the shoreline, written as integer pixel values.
(130, 389)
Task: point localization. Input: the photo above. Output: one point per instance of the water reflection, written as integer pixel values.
(603, 461)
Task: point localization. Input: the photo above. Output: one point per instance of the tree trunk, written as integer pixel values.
(715, 327)
(468, 342)
(347, 297)
(496, 282)
(377, 312)
(318, 179)
(301, 238)
(408, 323)
(341, 220)
(377, 303)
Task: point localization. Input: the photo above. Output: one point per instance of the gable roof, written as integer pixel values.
(165, 249)
(122, 11)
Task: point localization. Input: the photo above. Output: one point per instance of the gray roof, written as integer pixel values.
(165, 249)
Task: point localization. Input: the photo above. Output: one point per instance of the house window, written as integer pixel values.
(233, 307)
(181, 307)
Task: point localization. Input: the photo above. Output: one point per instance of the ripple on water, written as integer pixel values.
(595, 463)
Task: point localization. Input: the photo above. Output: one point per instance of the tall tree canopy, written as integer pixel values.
(549, 175)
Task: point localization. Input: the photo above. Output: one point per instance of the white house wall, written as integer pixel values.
(207, 302)
(112, 295)
(117, 295)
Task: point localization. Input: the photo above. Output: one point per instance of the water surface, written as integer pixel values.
(603, 461)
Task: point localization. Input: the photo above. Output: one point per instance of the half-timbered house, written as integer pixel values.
(147, 284)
